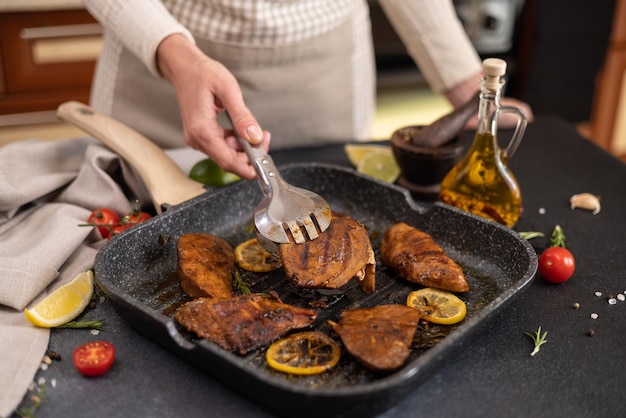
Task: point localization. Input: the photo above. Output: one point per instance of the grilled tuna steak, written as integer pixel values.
(242, 323)
(378, 337)
(416, 257)
(330, 261)
(206, 264)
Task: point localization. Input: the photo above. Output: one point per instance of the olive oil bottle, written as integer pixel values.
(481, 183)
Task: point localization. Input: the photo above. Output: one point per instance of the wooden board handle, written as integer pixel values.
(165, 181)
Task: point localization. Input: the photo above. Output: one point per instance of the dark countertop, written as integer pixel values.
(574, 375)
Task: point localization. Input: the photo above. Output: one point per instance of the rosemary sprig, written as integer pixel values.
(37, 398)
(241, 285)
(530, 234)
(538, 339)
(95, 324)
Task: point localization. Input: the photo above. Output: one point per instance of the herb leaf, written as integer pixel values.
(558, 237)
(96, 324)
(241, 285)
(530, 234)
(538, 339)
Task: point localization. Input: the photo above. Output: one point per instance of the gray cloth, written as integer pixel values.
(48, 188)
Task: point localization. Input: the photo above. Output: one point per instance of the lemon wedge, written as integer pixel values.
(64, 304)
(356, 152)
(380, 164)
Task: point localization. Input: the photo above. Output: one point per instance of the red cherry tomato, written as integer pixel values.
(556, 264)
(94, 358)
(135, 217)
(118, 229)
(104, 219)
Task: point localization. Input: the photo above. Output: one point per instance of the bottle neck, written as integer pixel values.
(488, 107)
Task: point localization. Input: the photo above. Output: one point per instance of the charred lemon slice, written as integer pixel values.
(251, 256)
(304, 353)
(437, 306)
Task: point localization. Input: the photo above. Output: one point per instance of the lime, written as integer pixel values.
(64, 304)
(437, 306)
(356, 152)
(208, 172)
(304, 353)
(380, 164)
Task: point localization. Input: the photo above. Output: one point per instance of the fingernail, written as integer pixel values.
(254, 132)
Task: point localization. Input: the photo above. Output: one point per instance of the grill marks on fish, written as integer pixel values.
(243, 323)
(339, 254)
(378, 337)
(416, 257)
(206, 264)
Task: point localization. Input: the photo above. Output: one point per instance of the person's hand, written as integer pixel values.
(204, 88)
(463, 92)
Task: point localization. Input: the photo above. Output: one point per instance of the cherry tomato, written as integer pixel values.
(118, 229)
(94, 358)
(105, 219)
(136, 216)
(556, 264)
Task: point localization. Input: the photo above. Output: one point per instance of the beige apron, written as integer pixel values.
(303, 93)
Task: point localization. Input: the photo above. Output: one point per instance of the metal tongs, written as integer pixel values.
(285, 209)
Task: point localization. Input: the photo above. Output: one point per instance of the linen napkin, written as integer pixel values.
(48, 188)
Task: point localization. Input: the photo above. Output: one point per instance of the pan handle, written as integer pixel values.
(165, 181)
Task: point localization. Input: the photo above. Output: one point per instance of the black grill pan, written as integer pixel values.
(137, 270)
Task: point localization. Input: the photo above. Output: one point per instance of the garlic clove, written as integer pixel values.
(586, 201)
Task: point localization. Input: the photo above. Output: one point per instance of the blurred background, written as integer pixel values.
(566, 58)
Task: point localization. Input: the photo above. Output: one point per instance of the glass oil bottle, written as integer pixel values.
(481, 183)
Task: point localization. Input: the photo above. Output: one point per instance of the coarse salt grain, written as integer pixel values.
(621, 297)
(41, 381)
(594, 316)
(44, 366)
(612, 301)
(598, 294)
(542, 211)
(95, 332)
(53, 382)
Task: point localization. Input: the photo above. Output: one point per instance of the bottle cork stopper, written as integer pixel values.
(493, 69)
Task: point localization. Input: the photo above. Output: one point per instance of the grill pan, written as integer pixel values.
(137, 270)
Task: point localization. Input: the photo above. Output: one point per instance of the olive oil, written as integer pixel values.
(481, 183)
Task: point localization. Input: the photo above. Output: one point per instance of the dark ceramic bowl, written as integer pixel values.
(423, 168)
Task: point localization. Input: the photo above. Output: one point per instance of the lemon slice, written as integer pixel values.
(64, 304)
(251, 256)
(380, 164)
(437, 306)
(304, 353)
(356, 152)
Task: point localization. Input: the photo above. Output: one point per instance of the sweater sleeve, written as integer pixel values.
(435, 39)
(139, 25)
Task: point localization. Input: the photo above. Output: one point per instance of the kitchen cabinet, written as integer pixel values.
(46, 57)
(608, 122)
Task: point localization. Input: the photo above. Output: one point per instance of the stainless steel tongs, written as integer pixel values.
(285, 209)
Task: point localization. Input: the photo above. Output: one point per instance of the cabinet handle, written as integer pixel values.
(65, 31)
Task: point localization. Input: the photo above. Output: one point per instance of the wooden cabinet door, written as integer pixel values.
(47, 58)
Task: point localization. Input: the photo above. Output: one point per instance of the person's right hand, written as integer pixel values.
(204, 88)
